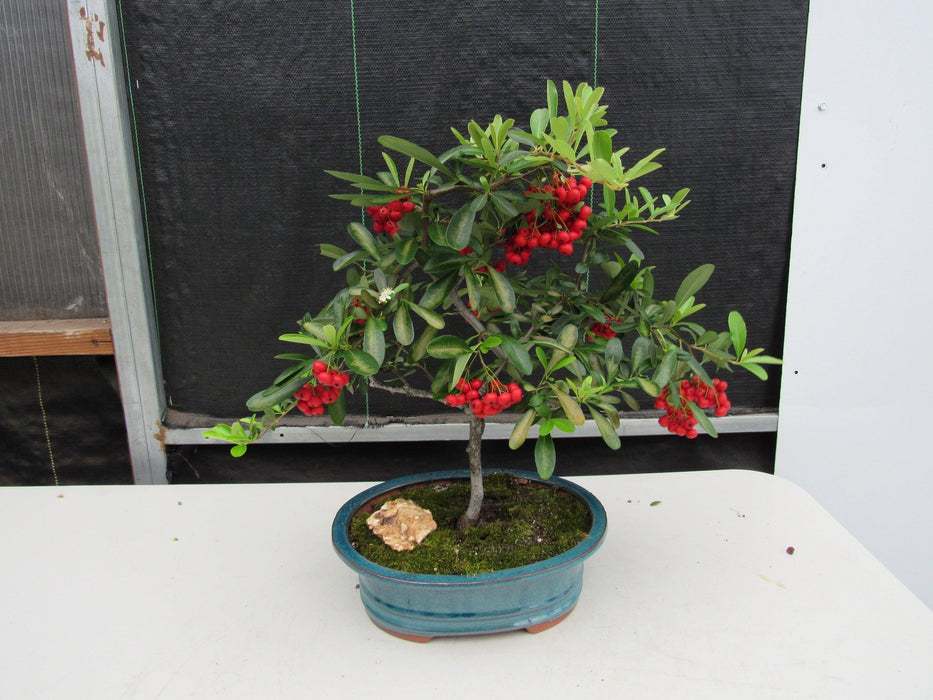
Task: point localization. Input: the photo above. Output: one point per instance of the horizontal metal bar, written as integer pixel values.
(414, 432)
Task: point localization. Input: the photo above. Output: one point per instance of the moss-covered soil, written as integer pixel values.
(522, 522)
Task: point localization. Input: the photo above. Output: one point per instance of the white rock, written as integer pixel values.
(402, 524)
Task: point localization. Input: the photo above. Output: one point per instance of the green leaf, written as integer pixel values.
(437, 291)
(753, 356)
(364, 238)
(349, 258)
(570, 407)
(478, 202)
(504, 291)
(490, 342)
(299, 338)
(601, 147)
(432, 318)
(361, 181)
(545, 456)
(665, 369)
(702, 419)
(293, 371)
(414, 151)
(516, 353)
(641, 349)
(402, 326)
(338, 409)
(757, 370)
(331, 251)
(420, 348)
(630, 401)
(737, 332)
(568, 337)
(374, 342)
(609, 435)
(694, 365)
(438, 234)
(406, 250)
(649, 387)
(563, 425)
(238, 450)
(644, 166)
(538, 122)
(461, 227)
(693, 283)
(361, 362)
(551, 98)
(218, 432)
(520, 431)
(273, 395)
(613, 354)
(560, 145)
(392, 169)
(504, 206)
(330, 334)
(621, 281)
(445, 347)
(460, 363)
(473, 288)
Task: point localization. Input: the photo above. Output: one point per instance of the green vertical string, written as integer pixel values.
(356, 97)
(359, 144)
(595, 39)
(586, 282)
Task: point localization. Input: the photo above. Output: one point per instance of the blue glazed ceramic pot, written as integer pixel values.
(422, 606)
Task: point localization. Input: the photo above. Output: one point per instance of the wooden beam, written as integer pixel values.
(84, 336)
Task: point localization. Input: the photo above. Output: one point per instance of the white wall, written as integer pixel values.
(856, 414)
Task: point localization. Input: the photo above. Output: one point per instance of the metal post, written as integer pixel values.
(108, 140)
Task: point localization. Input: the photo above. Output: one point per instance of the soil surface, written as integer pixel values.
(521, 522)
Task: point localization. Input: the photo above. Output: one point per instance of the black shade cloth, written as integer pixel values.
(239, 107)
(61, 422)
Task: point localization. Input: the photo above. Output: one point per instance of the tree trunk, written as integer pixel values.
(473, 450)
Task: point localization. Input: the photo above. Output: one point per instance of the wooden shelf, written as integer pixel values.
(85, 336)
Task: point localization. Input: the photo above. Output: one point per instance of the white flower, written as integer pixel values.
(385, 295)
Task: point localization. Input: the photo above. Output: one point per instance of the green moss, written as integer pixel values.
(522, 522)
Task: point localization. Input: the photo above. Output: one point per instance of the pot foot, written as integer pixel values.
(534, 629)
(407, 637)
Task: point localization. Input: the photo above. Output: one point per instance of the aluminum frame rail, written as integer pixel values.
(102, 95)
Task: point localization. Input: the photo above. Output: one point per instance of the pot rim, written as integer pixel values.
(575, 554)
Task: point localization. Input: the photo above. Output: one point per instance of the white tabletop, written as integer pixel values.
(235, 592)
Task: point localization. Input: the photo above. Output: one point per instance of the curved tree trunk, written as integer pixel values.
(473, 450)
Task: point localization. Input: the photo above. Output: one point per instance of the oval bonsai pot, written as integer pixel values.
(421, 606)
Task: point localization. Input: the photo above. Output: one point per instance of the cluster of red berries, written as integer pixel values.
(562, 221)
(497, 397)
(603, 329)
(680, 420)
(312, 398)
(387, 216)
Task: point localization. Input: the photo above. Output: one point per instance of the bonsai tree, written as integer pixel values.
(489, 281)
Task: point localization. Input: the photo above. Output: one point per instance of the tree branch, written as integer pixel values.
(405, 390)
(476, 324)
